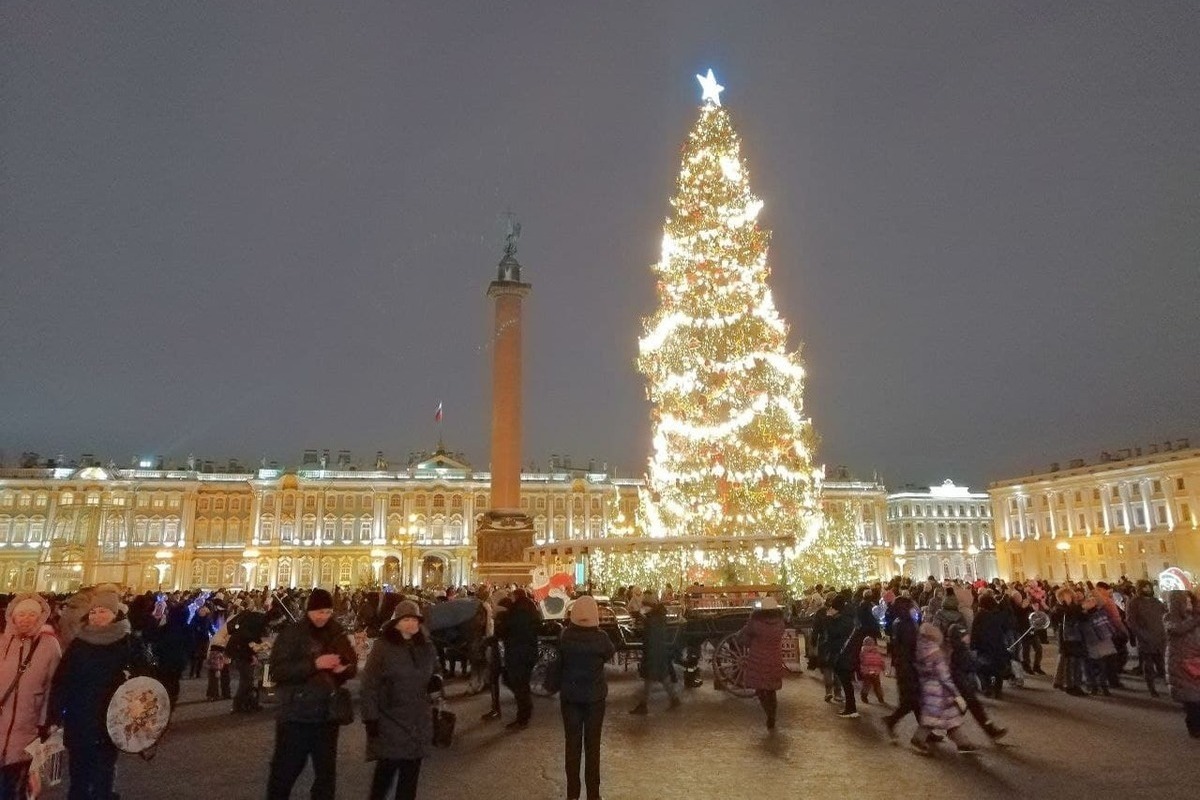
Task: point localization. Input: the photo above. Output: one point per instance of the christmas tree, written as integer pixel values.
(732, 445)
(835, 558)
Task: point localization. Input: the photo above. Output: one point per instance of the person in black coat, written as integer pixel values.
(92, 669)
(309, 661)
(903, 634)
(396, 710)
(173, 649)
(518, 627)
(836, 652)
(989, 640)
(583, 650)
(658, 642)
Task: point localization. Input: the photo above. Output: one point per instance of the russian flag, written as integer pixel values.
(437, 417)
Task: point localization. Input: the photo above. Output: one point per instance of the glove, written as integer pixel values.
(372, 726)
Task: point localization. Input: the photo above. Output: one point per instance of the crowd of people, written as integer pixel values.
(947, 644)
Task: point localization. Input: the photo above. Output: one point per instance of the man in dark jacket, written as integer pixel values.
(904, 657)
(518, 629)
(309, 661)
(836, 652)
(658, 641)
(1144, 617)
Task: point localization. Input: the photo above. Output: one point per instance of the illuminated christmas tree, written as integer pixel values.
(732, 445)
(835, 558)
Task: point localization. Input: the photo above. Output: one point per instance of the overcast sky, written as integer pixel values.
(244, 229)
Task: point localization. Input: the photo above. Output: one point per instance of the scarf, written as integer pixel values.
(107, 634)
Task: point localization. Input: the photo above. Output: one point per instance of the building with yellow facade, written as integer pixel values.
(62, 528)
(148, 527)
(1132, 514)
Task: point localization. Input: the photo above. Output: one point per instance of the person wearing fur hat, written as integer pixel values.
(92, 669)
(29, 656)
(309, 661)
(583, 650)
(396, 709)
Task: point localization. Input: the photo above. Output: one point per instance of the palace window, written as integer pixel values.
(1179, 484)
(41, 500)
(218, 504)
(364, 530)
(1156, 487)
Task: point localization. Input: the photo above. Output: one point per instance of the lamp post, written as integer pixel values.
(164, 563)
(1064, 548)
(377, 557)
(973, 552)
(898, 553)
(249, 561)
(412, 535)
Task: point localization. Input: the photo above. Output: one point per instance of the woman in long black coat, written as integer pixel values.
(395, 702)
(989, 640)
(92, 669)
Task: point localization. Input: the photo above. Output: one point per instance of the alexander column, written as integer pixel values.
(504, 531)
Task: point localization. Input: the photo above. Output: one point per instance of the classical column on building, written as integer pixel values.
(505, 531)
(1105, 511)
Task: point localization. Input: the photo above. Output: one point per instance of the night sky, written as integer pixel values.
(248, 229)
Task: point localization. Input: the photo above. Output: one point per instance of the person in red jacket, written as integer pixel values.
(763, 636)
(870, 669)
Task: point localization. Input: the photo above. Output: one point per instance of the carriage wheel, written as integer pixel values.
(793, 651)
(729, 666)
(547, 653)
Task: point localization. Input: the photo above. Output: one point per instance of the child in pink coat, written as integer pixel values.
(870, 668)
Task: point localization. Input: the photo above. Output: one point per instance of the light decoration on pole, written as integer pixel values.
(249, 562)
(732, 446)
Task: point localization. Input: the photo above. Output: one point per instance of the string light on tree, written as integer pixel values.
(732, 445)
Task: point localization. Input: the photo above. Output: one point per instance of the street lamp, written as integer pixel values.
(1064, 548)
(412, 535)
(973, 551)
(898, 553)
(249, 561)
(164, 563)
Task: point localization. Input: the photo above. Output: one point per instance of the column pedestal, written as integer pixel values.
(501, 539)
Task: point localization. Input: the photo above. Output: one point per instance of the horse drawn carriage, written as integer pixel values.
(703, 626)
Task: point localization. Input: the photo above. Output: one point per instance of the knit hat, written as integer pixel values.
(27, 604)
(319, 600)
(585, 612)
(407, 608)
(950, 603)
(107, 600)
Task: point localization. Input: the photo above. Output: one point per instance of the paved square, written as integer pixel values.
(716, 746)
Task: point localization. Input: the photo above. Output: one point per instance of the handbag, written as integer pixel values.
(341, 706)
(443, 724)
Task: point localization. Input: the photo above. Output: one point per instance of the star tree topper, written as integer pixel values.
(711, 89)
